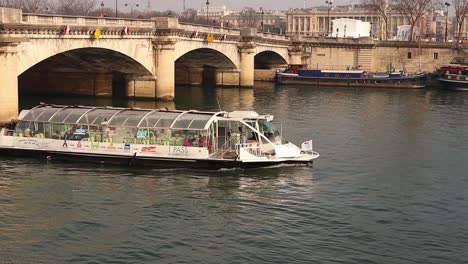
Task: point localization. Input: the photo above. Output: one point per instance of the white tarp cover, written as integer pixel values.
(350, 28)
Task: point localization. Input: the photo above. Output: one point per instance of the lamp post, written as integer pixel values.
(261, 13)
(344, 33)
(370, 30)
(116, 7)
(207, 12)
(329, 3)
(131, 8)
(102, 9)
(446, 21)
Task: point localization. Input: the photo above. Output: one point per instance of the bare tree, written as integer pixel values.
(11, 3)
(381, 7)
(28, 6)
(461, 10)
(413, 11)
(74, 7)
(249, 17)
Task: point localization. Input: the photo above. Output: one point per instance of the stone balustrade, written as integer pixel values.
(48, 19)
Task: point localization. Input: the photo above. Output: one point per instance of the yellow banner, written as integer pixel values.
(210, 38)
(97, 33)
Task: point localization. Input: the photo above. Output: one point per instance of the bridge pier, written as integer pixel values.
(295, 54)
(165, 68)
(8, 80)
(247, 57)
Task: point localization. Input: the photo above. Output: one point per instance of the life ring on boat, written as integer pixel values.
(254, 148)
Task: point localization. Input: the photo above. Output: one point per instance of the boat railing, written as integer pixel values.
(7, 132)
(226, 148)
(457, 77)
(253, 148)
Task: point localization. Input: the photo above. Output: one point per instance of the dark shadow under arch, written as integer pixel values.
(85, 71)
(269, 60)
(200, 67)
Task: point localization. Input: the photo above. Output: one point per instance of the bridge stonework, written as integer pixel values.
(37, 53)
(145, 56)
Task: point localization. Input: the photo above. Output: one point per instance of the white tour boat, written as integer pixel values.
(153, 137)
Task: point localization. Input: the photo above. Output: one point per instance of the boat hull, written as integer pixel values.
(138, 161)
(409, 82)
(453, 84)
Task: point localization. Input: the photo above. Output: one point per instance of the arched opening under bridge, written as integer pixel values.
(206, 67)
(85, 71)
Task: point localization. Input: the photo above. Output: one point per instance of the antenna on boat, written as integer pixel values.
(219, 105)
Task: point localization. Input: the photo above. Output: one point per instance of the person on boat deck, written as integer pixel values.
(253, 136)
(28, 132)
(205, 142)
(187, 142)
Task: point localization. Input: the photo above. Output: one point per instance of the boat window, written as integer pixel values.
(42, 114)
(270, 131)
(24, 128)
(192, 121)
(68, 115)
(77, 133)
(58, 130)
(128, 118)
(97, 116)
(161, 119)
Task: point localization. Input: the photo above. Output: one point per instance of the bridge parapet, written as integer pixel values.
(268, 35)
(46, 19)
(207, 29)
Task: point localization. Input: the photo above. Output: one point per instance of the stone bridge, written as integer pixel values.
(136, 58)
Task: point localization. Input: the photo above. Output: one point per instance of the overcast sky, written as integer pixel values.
(176, 5)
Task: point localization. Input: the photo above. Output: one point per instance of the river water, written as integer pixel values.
(391, 186)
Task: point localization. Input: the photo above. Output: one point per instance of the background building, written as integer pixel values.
(214, 12)
(317, 21)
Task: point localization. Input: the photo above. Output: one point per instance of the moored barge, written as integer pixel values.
(152, 137)
(352, 78)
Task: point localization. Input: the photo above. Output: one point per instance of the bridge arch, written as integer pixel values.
(206, 65)
(227, 48)
(84, 71)
(37, 50)
(269, 59)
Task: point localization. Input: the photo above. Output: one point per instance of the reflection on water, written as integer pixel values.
(390, 187)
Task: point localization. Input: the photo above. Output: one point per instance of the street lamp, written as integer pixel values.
(131, 8)
(329, 3)
(207, 8)
(446, 21)
(344, 33)
(261, 12)
(102, 9)
(370, 30)
(116, 7)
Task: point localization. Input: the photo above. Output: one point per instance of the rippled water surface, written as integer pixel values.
(391, 186)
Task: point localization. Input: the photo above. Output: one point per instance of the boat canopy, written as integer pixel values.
(121, 117)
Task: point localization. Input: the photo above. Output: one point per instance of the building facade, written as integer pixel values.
(318, 21)
(271, 20)
(214, 12)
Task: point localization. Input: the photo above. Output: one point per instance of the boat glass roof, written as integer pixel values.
(121, 117)
(67, 115)
(42, 114)
(128, 118)
(97, 116)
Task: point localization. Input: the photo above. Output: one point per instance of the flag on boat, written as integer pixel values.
(66, 29)
(307, 146)
(126, 31)
(194, 34)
